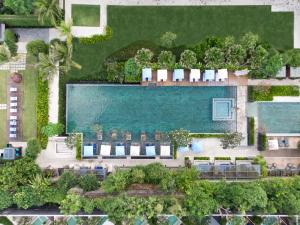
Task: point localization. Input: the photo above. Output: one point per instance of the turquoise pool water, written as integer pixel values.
(137, 108)
(279, 117)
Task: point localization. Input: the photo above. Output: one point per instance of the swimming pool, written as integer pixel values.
(279, 117)
(138, 108)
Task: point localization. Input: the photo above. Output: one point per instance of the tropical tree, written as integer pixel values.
(71, 204)
(47, 66)
(214, 58)
(53, 129)
(37, 46)
(4, 53)
(180, 137)
(166, 60)
(131, 71)
(258, 57)
(33, 148)
(143, 57)
(231, 140)
(188, 59)
(273, 64)
(168, 39)
(292, 57)
(66, 181)
(235, 54)
(249, 41)
(48, 10)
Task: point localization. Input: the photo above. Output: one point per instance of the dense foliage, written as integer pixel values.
(231, 140)
(37, 46)
(33, 148)
(53, 129)
(97, 38)
(42, 111)
(10, 40)
(168, 39)
(21, 7)
(27, 21)
(251, 131)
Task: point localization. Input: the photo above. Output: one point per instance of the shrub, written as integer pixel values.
(89, 182)
(97, 38)
(166, 60)
(292, 57)
(222, 158)
(137, 175)
(262, 141)
(5, 221)
(154, 173)
(188, 59)
(71, 204)
(116, 182)
(168, 39)
(42, 111)
(33, 148)
(53, 129)
(131, 71)
(66, 181)
(4, 53)
(201, 158)
(214, 58)
(21, 7)
(10, 40)
(263, 164)
(78, 146)
(37, 46)
(251, 125)
(6, 200)
(143, 57)
(115, 72)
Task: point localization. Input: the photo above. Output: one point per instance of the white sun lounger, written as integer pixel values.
(13, 117)
(13, 89)
(12, 135)
(14, 104)
(165, 150)
(13, 123)
(13, 110)
(135, 150)
(105, 150)
(12, 129)
(13, 98)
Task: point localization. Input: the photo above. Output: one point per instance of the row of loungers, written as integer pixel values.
(194, 75)
(13, 119)
(134, 150)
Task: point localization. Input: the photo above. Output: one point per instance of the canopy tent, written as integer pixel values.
(195, 75)
(88, 151)
(150, 150)
(222, 75)
(209, 75)
(197, 146)
(105, 150)
(147, 74)
(120, 150)
(162, 75)
(178, 75)
(135, 150)
(273, 144)
(165, 150)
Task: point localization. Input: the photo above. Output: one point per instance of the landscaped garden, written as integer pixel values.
(86, 15)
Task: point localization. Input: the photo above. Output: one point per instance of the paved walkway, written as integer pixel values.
(16, 64)
(241, 117)
(273, 82)
(53, 98)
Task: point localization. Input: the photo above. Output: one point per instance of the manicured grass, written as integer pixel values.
(23, 21)
(267, 93)
(3, 113)
(86, 15)
(29, 101)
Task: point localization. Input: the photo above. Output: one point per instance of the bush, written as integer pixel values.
(251, 133)
(89, 182)
(201, 158)
(154, 173)
(10, 40)
(188, 59)
(166, 60)
(53, 129)
(222, 158)
(168, 39)
(97, 38)
(116, 182)
(143, 57)
(263, 164)
(67, 181)
(26, 21)
(42, 111)
(33, 148)
(6, 200)
(115, 72)
(4, 53)
(21, 7)
(37, 46)
(262, 141)
(5, 221)
(132, 72)
(78, 146)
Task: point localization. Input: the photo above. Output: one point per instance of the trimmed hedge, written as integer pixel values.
(201, 158)
(206, 135)
(10, 40)
(97, 38)
(266, 93)
(222, 158)
(79, 146)
(251, 132)
(42, 111)
(23, 21)
(262, 141)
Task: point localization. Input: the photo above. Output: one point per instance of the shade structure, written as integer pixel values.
(165, 150)
(135, 150)
(222, 75)
(178, 75)
(105, 150)
(147, 74)
(88, 151)
(197, 146)
(195, 75)
(150, 150)
(120, 150)
(183, 149)
(273, 144)
(162, 75)
(209, 75)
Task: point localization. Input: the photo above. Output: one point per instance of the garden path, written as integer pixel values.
(274, 82)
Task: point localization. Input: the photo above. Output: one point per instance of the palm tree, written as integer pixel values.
(48, 9)
(48, 66)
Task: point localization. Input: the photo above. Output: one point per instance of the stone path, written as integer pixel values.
(241, 117)
(53, 98)
(15, 65)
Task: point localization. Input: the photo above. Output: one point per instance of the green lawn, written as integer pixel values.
(86, 15)
(3, 113)
(29, 101)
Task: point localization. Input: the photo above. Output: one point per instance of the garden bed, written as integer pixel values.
(266, 93)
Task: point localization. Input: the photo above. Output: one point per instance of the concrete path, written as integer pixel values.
(241, 117)
(53, 98)
(274, 82)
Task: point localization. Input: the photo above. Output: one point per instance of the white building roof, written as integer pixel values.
(222, 74)
(162, 75)
(105, 150)
(209, 75)
(147, 74)
(295, 72)
(195, 74)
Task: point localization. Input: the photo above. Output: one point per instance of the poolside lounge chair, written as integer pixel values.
(88, 151)
(165, 150)
(13, 104)
(178, 75)
(147, 74)
(195, 75)
(222, 75)
(13, 117)
(105, 150)
(209, 75)
(13, 110)
(135, 150)
(12, 129)
(162, 75)
(13, 122)
(11, 135)
(13, 89)
(120, 150)
(13, 98)
(150, 150)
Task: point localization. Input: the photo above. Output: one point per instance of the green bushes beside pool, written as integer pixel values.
(266, 93)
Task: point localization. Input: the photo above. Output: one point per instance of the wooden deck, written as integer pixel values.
(231, 81)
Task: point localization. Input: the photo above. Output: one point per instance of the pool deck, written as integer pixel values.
(231, 81)
(241, 115)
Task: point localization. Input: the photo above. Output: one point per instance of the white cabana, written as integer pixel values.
(209, 75)
(295, 72)
(165, 150)
(178, 75)
(273, 144)
(222, 75)
(135, 150)
(88, 151)
(105, 150)
(195, 75)
(147, 74)
(281, 73)
(162, 75)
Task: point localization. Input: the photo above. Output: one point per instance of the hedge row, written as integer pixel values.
(79, 146)
(42, 111)
(251, 132)
(262, 141)
(23, 21)
(97, 38)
